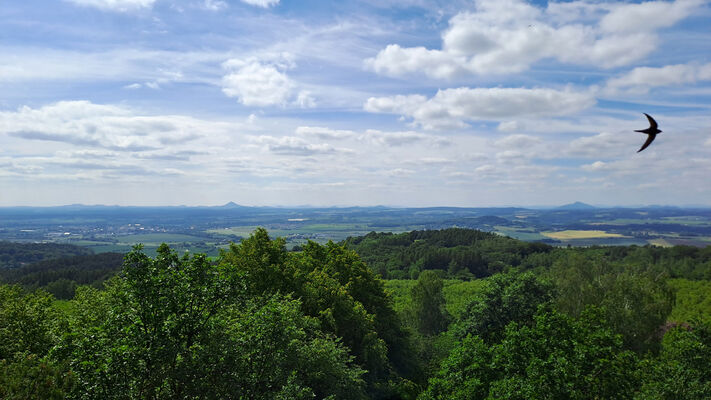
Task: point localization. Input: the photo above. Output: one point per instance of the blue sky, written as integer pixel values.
(374, 102)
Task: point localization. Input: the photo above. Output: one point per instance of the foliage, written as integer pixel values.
(142, 336)
(556, 357)
(13, 255)
(179, 327)
(270, 350)
(338, 289)
(61, 276)
(27, 322)
(457, 294)
(29, 326)
(511, 297)
(28, 376)
(428, 307)
(682, 369)
(693, 300)
(467, 253)
(262, 322)
(636, 302)
(463, 253)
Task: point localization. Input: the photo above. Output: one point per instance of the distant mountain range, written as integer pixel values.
(578, 205)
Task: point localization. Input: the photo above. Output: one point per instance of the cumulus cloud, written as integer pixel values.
(256, 83)
(596, 166)
(103, 126)
(608, 143)
(395, 61)
(642, 79)
(508, 36)
(264, 82)
(115, 5)
(261, 3)
(296, 146)
(451, 107)
(647, 16)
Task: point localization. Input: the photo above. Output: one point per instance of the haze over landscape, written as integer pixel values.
(355, 200)
(412, 103)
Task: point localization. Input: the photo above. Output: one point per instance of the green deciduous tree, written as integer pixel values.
(510, 297)
(636, 302)
(29, 327)
(428, 305)
(556, 357)
(683, 369)
(180, 327)
(335, 286)
(26, 322)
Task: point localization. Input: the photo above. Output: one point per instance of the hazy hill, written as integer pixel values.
(578, 205)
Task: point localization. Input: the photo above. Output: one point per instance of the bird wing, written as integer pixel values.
(649, 141)
(652, 122)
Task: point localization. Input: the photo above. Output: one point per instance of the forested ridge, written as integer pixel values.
(468, 254)
(13, 255)
(525, 321)
(61, 276)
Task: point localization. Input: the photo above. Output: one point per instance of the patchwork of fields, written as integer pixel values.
(207, 229)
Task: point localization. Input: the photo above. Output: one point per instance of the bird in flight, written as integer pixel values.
(651, 131)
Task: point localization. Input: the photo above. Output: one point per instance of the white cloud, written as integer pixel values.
(214, 5)
(507, 36)
(396, 61)
(85, 124)
(485, 169)
(509, 126)
(393, 139)
(305, 100)
(451, 107)
(400, 104)
(647, 16)
(116, 5)
(261, 3)
(400, 172)
(296, 146)
(596, 166)
(262, 82)
(256, 83)
(518, 141)
(642, 79)
(509, 156)
(605, 144)
(23, 64)
(324, 133)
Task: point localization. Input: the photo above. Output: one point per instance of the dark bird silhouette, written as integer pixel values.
(651, 131)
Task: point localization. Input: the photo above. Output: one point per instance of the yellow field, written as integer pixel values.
(567, 235)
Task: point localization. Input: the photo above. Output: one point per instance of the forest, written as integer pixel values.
(440, 314)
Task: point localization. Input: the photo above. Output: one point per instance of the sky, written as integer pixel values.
(354, 103)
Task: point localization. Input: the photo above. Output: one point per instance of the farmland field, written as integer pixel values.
(206, 229)
(575, 234)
